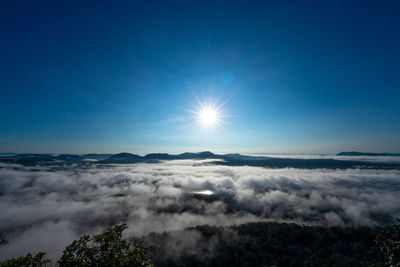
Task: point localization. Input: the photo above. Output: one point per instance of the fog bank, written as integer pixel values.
(45, 208)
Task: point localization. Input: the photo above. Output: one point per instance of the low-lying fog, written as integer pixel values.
(46, 208)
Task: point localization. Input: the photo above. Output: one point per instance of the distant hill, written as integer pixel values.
(5, 154)
(216, 159)
(68, 157)
(122, 158)
(355, 153)
(96, 156)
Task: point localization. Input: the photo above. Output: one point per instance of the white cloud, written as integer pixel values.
(55, 205)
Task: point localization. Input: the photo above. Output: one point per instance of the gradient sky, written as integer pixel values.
(87, 76)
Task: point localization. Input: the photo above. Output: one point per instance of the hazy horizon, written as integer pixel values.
(143, 153)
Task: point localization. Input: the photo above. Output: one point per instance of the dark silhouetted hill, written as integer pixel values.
(355, 153)
(68, 157)
(97, 156)
(122, 158)
(219, 159)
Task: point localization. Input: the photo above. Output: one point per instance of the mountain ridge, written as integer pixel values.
(356, 153)
(216, 159)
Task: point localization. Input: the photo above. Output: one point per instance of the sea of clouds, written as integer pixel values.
(45, 208)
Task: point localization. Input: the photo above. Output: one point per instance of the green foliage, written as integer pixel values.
(254, 244)
(389, 242)
(107, 249)
(30, 260)
(281, 244)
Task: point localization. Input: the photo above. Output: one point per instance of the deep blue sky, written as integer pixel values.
(86, 76)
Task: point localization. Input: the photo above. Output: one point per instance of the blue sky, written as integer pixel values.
(293, 77)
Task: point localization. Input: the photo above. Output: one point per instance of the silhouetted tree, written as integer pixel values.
(107, 249)
(30, 260)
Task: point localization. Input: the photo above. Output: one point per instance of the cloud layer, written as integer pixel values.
(46, 208)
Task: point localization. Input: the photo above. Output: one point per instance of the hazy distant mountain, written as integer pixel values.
(5, 154)
(159, 156)
(355, 153)
(219, 159)
(33, 156)
(154, 157)
(96, 156)
(207, 155)
(28, 159)
(244, 157)
(123, 157)
(199, 155)
(68, 157)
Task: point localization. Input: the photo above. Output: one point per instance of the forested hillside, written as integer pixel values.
(275, 244)
(253, 244)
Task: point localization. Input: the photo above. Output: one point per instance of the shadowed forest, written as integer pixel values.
(252, 244)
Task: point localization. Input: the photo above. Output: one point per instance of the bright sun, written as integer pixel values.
(208, 117)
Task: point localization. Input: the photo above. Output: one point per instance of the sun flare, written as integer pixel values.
(208, 117)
